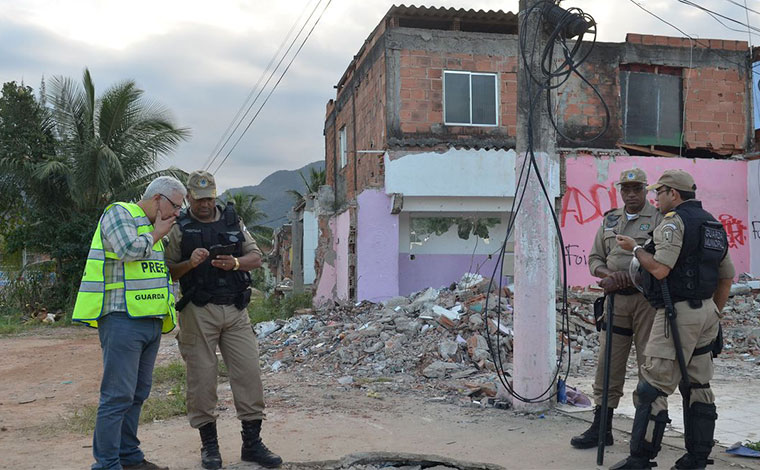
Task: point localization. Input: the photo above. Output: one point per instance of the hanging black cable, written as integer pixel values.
(566, 24)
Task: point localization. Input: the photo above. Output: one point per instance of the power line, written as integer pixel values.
(274, 87)
(715, 15)
(749, 34)
(745, 7)
(219, 145)
(701, 43)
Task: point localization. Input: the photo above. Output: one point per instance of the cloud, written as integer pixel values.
(201, 61)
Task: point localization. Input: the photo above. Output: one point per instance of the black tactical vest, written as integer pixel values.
(206, 283)
(695, 275)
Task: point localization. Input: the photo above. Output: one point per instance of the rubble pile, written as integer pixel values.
(741, 326)
(435, 333)
(444, 333)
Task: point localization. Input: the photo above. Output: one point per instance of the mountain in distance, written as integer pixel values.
(277, 202)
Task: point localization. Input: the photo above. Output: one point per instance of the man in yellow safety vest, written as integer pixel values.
(126, 292)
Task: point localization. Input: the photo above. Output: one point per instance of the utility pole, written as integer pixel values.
(536, 253)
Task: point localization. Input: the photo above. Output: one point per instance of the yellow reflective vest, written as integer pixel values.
(147, 284)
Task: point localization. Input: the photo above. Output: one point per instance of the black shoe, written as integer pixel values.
(634, 463)
(691, 462)
(144, 465)
(254, 450)
(590, 437)
(211, 459)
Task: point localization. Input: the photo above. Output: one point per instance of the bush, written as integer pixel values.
(270, 308)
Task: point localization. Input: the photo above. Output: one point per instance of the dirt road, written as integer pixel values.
(48, 374)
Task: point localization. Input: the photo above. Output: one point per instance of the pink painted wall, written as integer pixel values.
(377, 242)
(590, 192)
(328, 278)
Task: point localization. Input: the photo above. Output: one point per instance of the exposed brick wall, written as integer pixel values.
(650, 40)
(715, 109)
(580, 113)
(370, 127)
(421, 106)
(330, 143)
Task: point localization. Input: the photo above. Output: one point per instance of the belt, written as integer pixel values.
(627, 291)
(224, 299)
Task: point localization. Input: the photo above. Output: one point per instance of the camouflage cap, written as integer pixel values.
(676, 179)
(634, 175)
(200, 185)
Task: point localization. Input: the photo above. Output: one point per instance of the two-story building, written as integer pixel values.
(420, 139)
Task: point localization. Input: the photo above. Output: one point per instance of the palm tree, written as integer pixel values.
(105, 148)
(317, 178)
(246, 207)
(109, 146)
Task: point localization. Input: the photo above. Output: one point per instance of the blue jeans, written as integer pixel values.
(129, 349)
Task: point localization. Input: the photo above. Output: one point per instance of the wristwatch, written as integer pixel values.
(636, 248)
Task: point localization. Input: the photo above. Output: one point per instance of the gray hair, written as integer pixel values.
(166, 185)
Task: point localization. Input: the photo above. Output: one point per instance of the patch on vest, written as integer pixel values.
(150, 296)
(667, 235)
(612, 220)
(153, 266)
(644, 227)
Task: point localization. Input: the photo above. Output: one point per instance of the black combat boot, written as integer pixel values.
(253, 449)
(691, 462)
(634, 463)
(211, 459)
(590, 437)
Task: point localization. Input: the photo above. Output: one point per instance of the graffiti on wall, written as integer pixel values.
(591, 192)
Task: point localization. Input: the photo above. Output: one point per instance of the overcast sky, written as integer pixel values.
(201, 59)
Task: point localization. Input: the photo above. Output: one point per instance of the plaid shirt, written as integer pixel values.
(119, 233)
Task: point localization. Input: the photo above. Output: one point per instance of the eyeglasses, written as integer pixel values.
(660, 191)
(175, 206)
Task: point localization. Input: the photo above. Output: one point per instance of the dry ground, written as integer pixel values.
(47, 374)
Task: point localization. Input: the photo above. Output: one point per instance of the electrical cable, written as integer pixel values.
(705, 45)
(273, 88)
(219, 145)
(572, 59)
(717, 15)
(745, 7)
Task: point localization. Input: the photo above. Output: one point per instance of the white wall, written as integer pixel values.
(310, 239)
(472, 173)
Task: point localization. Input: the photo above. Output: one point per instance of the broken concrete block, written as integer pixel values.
(439, 369)
(476, 321)
(396, 302)
(447, 348)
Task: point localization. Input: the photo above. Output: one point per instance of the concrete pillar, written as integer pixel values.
(536, 258)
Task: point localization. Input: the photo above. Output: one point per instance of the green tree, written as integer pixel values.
(316, 179)
(104, 148)
(25, 139)
(246, 207)
(108, 147)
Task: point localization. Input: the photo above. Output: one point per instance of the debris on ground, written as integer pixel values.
(440, 338)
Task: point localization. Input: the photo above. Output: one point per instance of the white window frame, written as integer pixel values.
(470, 74)
(343, 139)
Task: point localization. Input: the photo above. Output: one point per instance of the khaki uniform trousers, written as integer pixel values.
(633, 313)
(202, 329)
(697, 328)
